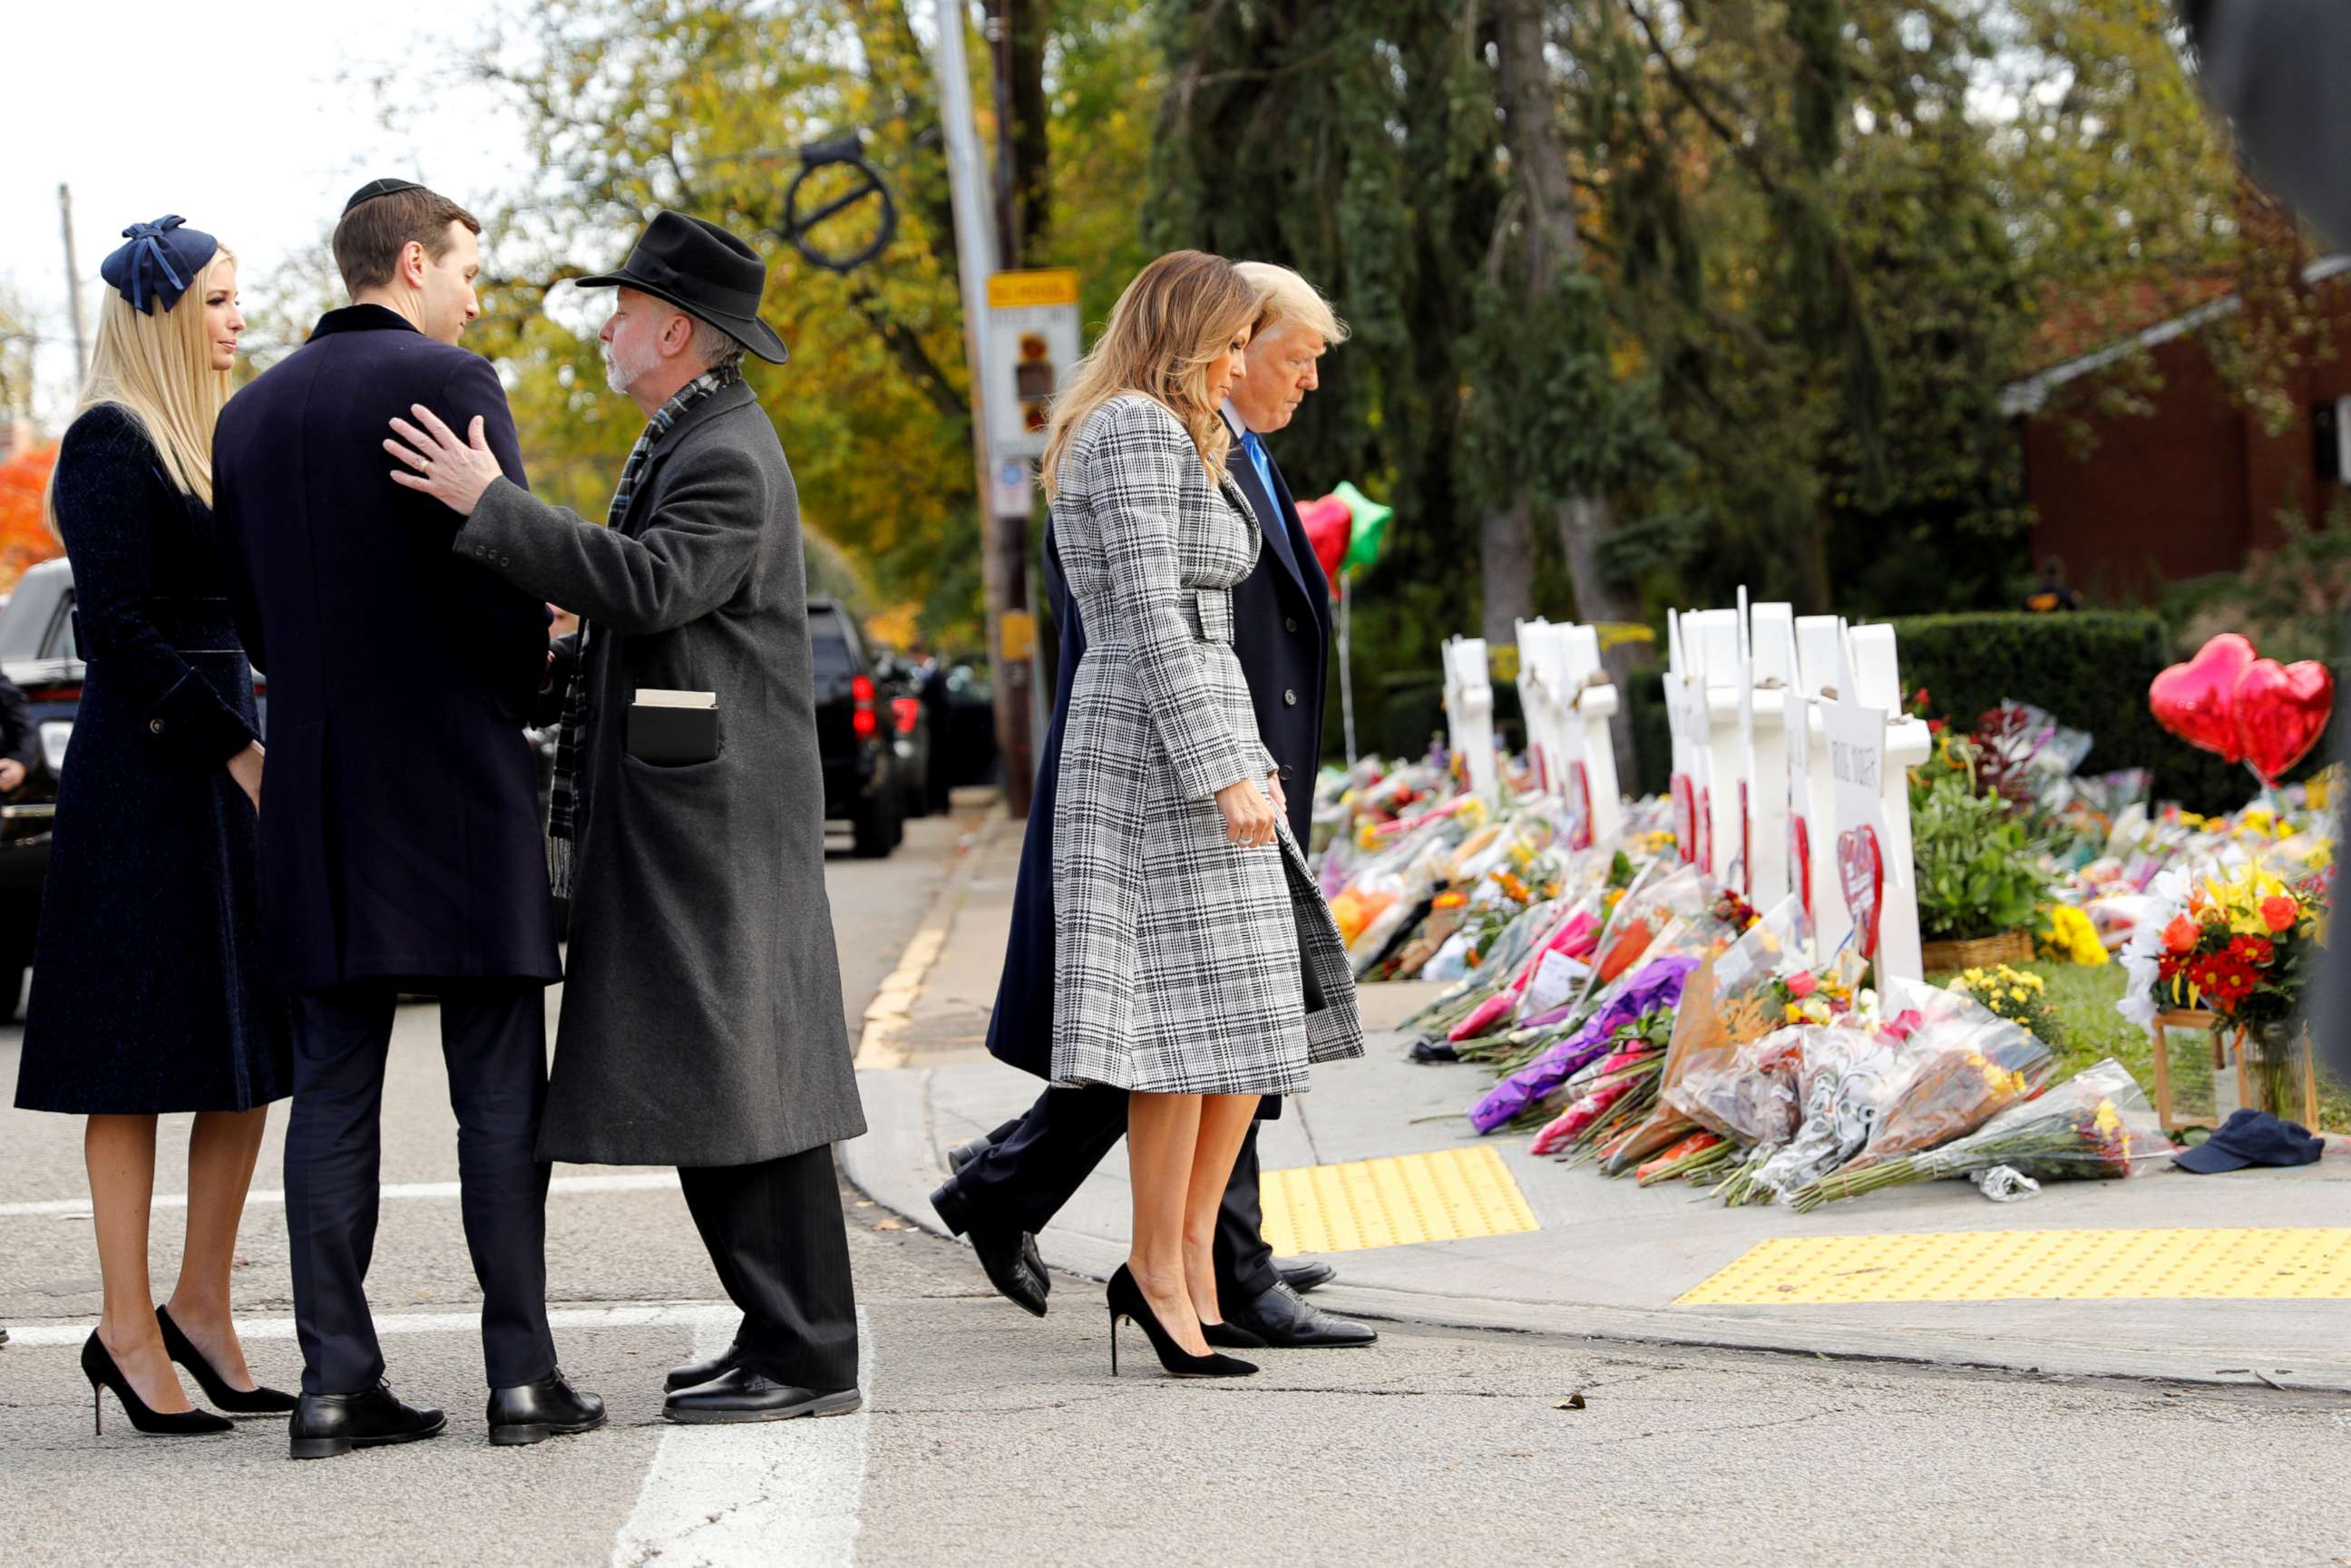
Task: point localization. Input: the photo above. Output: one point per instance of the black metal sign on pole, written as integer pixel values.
(865, 184)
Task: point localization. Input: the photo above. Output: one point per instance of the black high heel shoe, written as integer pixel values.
(98, 1365)
(1127, 1301)
(235, 1401)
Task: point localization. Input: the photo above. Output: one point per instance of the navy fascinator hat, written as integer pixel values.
(158, 262)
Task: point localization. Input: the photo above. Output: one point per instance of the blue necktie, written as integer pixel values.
(1256, 450)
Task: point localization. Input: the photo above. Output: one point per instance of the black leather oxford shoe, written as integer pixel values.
(325, 1424)
(694, 1372)
(1284, 1321)
(1303, 1277)
(1009, 1257)
(534, 1412)
(743, 1394)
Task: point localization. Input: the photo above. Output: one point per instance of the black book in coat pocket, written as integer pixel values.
(672, 729)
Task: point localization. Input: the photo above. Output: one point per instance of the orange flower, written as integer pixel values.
(2180, 936)
(2280, 912)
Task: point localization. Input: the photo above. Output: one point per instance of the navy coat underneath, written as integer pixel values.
(1281, 631)
(402, 838)
(148, 993)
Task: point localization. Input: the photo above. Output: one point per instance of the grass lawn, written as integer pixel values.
(2083, 1000)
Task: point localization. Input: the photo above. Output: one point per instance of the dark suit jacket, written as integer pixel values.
(401, 834)
(1281, 628)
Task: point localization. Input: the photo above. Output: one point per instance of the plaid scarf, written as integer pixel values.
(566, 815)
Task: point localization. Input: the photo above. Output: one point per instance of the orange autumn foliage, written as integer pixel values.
(24, 537)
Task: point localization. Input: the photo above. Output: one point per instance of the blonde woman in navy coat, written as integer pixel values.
(147, 997)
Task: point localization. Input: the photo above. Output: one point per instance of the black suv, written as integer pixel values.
(855, 732)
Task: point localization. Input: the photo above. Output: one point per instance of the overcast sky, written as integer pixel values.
(254, 123)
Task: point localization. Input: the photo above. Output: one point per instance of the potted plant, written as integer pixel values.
(1981, 880)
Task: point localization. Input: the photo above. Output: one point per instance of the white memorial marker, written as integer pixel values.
(1769, 696)
(1874, 875)
(1540, 704)
(1470, 710)
(1812, 798)
(1590, 750)
(1711, 638)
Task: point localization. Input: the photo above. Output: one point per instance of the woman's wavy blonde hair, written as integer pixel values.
(1179, 313)
(160, 368)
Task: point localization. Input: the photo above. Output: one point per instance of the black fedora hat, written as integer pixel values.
(703, 271)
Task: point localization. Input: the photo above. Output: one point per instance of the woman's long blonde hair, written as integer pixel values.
(160, 368)
(1179, 313)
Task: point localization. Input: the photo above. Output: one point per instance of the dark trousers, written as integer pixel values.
(776, 1234)
(1034, 1165)
(494, 1037)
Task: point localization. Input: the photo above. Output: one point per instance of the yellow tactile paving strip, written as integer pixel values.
(1440, 1197)
(2292, 1264)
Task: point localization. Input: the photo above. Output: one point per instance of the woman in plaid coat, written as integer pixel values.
(1196, 964)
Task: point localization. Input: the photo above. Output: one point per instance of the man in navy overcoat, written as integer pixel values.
(401, 841)
(1007, 1186)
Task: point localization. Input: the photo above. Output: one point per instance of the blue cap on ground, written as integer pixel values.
(2252, 1138)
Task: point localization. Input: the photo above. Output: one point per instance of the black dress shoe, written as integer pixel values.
(534, 1412)
(1008, 1257)
(1432, 1049)
(743, 1394)
(963, 1154)
(325, 1424)
(1303, 1277)
(1284, 1321)
(696, 1372)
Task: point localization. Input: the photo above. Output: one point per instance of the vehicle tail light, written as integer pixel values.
(909, 712)
(861, 696)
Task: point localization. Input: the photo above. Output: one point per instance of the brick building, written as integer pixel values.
(2193, 486)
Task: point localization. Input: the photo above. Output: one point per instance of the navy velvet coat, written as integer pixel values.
(402, 837)
(1281, 633)
(148, 990)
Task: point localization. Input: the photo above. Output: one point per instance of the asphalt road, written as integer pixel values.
(989, 1435)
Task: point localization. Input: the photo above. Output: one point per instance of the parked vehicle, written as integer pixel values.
(910, 729)
(855, 732)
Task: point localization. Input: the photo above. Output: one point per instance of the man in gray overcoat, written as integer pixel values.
(702, 1022)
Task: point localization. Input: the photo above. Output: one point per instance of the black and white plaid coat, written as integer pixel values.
(1184, 963)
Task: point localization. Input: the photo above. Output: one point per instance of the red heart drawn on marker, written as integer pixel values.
(1706, 829)
(1579, 785)
(1746, 845)
(1862, 870)
(2281, 710)
(1685, 819)
(2196, 701)
(1800, 859)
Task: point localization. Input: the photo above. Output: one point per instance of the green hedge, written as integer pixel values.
(2090, 671)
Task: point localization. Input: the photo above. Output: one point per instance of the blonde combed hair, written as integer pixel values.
(1286, 299)
(159, 367)
(1178, 314)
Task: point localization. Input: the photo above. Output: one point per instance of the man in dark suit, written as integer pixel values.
(1007, 1186)
(401, 846)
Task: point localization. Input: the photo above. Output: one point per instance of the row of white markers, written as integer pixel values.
(1790, 750)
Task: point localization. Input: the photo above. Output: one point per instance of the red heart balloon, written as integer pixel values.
(2196, 701)
(2281, 710)
(1330, 525)
(1862, 870)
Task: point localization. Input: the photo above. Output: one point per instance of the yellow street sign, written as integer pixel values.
(1018, 630)
(1042, 285)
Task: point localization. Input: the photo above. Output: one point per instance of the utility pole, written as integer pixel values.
(1004, 540)
(73, 284)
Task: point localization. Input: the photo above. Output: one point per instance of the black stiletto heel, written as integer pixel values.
(258, 1401)
(99, 1365)
(1127, 1301)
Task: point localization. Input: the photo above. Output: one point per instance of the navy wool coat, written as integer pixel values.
(1282, 633)
(148, 993)
(401, 838)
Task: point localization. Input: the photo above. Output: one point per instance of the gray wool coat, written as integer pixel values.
(702, 1017)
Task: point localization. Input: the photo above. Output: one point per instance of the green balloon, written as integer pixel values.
(1371, 529)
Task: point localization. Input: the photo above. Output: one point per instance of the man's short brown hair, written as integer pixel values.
(368, 240)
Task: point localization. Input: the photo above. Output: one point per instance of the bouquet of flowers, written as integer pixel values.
(1659, 987)
(1965, 1066)
(2242, 946)
(2097, 1125)
(2017, 994)
(1621, 1089)
(1845, 1078)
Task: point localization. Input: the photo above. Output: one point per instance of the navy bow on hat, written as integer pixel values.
(159, 262)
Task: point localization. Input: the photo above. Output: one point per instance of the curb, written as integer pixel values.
(887, 1014)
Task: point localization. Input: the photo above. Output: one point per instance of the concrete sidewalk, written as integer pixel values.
(1610, 1258)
